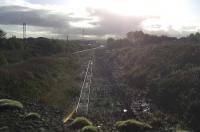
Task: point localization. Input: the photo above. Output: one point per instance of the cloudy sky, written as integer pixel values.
(99, 18)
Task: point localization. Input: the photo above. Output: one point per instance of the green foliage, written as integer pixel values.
(89, 129)
(194, 37)
(118, 44)
(135, 36)
(168, 75)
(40, 69)
(50, 80)
(9, 103)
(182, 131)
(32, 115)
(110, 40)
(3, 60)
(132, 125)
(2, 34)
(79, 123)
(138, 37)
(16, 50)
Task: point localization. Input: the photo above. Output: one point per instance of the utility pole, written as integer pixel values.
(67, 38)
(24, 31)
(83, 33)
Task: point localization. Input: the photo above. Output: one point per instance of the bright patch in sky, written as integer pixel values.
(163, 16)
(169, 12)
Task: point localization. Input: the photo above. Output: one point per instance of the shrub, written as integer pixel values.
(33, 115)
(8, 103)
(182, 131)
(2, 34)
(79, 123)
(167, 75)
(132, 125)
(89, 129)
(3, 60)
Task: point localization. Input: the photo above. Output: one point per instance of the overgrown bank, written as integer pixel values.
(49, 80)
(166, 75)
(44, 76)
(40, 70)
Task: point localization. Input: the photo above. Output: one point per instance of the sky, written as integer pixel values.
(100, 19)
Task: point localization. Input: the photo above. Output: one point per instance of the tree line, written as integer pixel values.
(139, 37)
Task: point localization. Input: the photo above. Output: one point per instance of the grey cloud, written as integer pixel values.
(109, 24)
(112, 23)
(16, 15)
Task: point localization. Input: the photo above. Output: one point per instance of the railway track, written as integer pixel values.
(84, 99)
(82, 106)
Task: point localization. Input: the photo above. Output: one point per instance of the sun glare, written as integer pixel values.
(163, 12)
(141, 7)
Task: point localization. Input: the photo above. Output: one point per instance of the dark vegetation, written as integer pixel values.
(44, 76)
(164, 70)
(90, 129)
(40, 70)
(29, 117)
(42, 73)
(132, 125)
(10, 104)
(48, 80)
(79, 123)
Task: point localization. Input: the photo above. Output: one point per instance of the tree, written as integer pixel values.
(136, 36)
(2, 34)
(3, 60)
(110, 40)
(197, 37)
(194, 37)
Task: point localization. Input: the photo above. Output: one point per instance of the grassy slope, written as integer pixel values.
(167, 74)
(50, 80)
(40, 70)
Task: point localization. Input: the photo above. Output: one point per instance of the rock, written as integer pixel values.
(10, 104)
(89, 129)
(33, 115)
(132, 125)
(79, 123)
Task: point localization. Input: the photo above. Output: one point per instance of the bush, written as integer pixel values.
(89, 129)
(79, 123)
(182, 131)
(2, 34)
(33, 115)
(8, 103)
(167, 75)
(50, 80)
(3, 60)
(132, 125)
